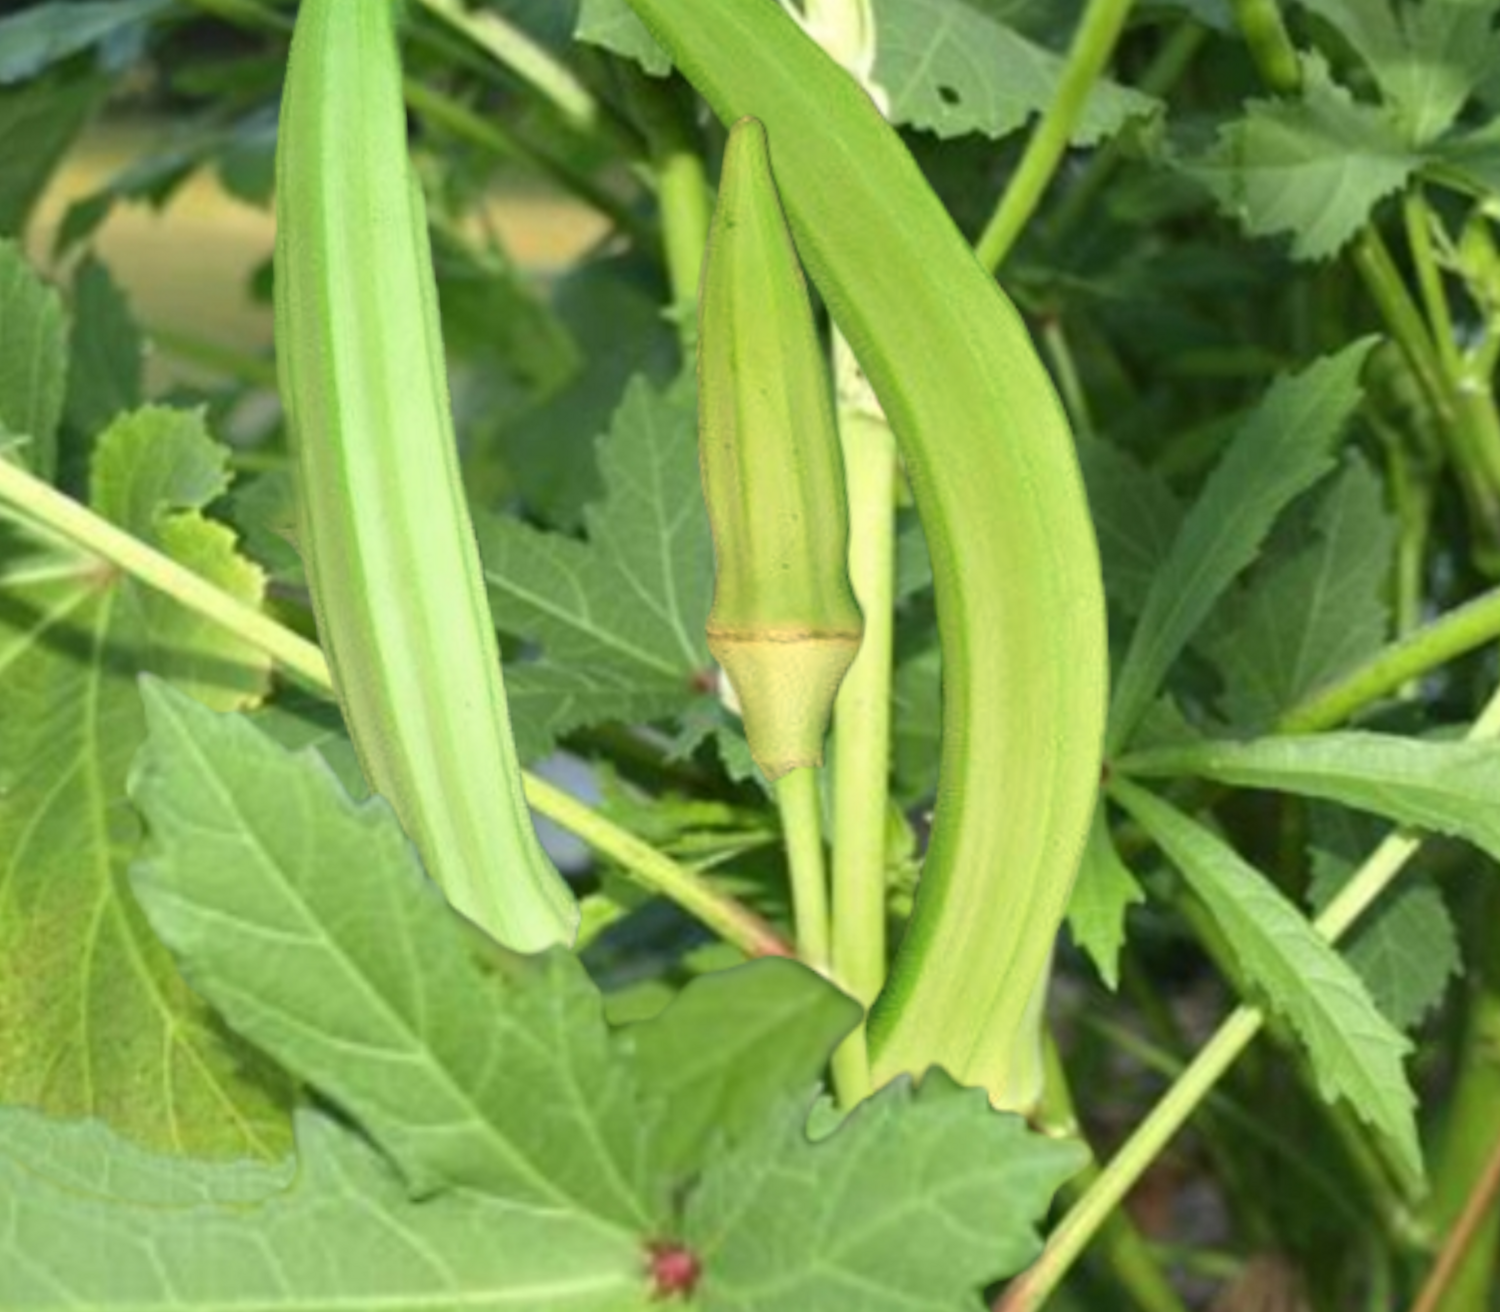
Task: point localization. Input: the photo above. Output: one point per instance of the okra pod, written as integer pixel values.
(1019, 599)
(383, 525)
(784, 625)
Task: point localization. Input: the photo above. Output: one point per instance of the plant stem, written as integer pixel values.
(1270, 47)
(1476, 424)
(456, 117)
(241, 366)
(1418, 221)
(1478, 1213)
(1402, 318)
(1135, 1266)
(1119, 1175)
(682, 192)
(1451, 635)
(1462, 1279)
(245, 13)
(532, 63)
(731, 920)
(1093, 45)
(802, 822)
(44, 506)
(1068, 1241)
(1065, 370)
(862, 714)
(1464, 406)
(1166, 69)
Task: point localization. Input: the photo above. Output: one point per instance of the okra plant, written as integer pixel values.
(986, 549)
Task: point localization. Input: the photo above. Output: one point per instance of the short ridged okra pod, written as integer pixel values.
(784, 625)
(384, 529)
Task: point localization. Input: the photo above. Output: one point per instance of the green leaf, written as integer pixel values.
(39, 120)
(1354, 1050)
(956, 66)
(1136, 516)
(1312, 167)
(107, 356)
(490, 312)
(44, 34)
(1105, 891)
(916, 723)
(88, 1221)
(307, 922)
(1281, 448)
(1447, 787)
(33, 360)
(297, 720)
(620, 616)
(613, 26)
(612, 310)
(264, 510)
(94, 1019)
(1470, 159)
(1310, 611)
(1428, 58)
(1405, 946)
(919, 1200)
(726, 1051)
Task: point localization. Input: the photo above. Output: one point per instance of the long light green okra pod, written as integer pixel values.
(383, 525)
(991, 462)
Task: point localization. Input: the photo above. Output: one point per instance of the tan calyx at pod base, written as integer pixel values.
(784, 682)
(785, 625)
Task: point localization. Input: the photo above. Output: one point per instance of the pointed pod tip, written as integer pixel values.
(747, 137)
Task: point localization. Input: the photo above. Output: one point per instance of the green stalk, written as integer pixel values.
(1418, 221)
(801, 807)
(1136, 1268)
(1461, 1276)
(1077, 1229)
(41, 504)
(1466, 1165)
(1271, 49)
(533, 64)
(230, 362)
(1453, 634)
(1402, 319)
(457, 118)
(245, 13)
(1065, 370)
(1166, 69)
(1476, 423)
(1093, 46)
(682, 191)
(862, 715)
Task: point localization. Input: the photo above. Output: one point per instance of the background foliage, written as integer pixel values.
(1266, 281)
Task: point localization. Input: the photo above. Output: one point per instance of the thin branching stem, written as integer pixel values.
(42, 505)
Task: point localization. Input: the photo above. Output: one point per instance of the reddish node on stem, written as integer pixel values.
(704, 681)
(674, 1267)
